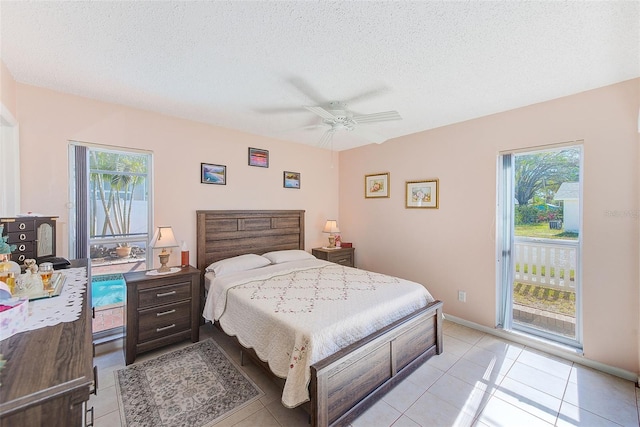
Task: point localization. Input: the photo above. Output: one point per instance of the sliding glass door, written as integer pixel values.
(539, 221)
(110, 222)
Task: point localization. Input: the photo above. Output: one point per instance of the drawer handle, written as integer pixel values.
(166, 294)
(89, 423)
(21, 257)
(22, 247)
(164, 328)
(22, 226)
(23, 236)
(95, 381)
(166, 312)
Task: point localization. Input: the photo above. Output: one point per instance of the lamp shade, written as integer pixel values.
(331, 226)
(163, 238)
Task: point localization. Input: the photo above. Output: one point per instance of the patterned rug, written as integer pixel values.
(195, 386)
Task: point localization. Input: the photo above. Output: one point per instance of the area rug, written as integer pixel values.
(196, 386)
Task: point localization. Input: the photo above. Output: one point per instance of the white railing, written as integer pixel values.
(546, 262)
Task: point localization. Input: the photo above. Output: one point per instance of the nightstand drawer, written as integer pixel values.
(342, 259)
(342, 256)
(165, 320)
(164, 294)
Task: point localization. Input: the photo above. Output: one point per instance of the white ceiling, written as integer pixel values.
(254, 65)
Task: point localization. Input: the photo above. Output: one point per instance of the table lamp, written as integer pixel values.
(331, 227)
(163, 238)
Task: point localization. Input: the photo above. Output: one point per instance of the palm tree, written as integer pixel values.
(114, 179)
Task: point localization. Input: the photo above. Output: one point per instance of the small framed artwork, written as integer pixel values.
(213, 174)
(376, 185)
(422, 194)
(291, 179)
(258, 157)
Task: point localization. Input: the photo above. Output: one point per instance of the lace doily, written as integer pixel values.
(157, 273)
(64, 308)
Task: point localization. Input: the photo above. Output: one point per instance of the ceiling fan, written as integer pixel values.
(338, 117)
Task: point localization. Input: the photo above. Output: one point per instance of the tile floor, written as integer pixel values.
(479, 380)
(108, 318)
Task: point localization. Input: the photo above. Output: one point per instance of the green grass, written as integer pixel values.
(543, 231)
(543, 298)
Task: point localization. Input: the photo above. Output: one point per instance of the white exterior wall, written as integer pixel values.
(571, 216)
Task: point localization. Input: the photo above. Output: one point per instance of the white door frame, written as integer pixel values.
(9, 163)
(505, 242)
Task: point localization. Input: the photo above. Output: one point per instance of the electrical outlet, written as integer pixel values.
(462, 296)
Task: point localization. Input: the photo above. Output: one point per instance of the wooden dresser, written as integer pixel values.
(161, 310)
(49, 376)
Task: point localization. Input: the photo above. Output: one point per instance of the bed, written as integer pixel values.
(348, 378)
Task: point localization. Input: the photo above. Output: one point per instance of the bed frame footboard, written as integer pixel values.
(345, 384)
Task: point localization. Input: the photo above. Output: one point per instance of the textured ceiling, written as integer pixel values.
(254, 65)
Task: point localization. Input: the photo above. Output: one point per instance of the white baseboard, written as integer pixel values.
(559, 350)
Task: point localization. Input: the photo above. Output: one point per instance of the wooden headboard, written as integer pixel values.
(223, 234)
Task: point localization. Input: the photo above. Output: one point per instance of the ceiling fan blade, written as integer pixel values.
(310, 127)
(367, 95)
(278, 110)
(369, 135)
(320, 112)
(305, 88)
(301, 128)
(377, 117)
(326, 137)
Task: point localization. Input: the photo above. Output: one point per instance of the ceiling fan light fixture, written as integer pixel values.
(339, 118)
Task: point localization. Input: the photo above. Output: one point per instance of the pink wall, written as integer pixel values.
(449, 249)
(49, 120)
(7, 89)
(453, 248)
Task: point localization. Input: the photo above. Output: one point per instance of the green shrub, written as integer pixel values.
(526, 214)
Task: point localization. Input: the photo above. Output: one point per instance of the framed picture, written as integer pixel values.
(291, 179)
(258, 157)
(422, 194)
(376, 185)
(213, 174)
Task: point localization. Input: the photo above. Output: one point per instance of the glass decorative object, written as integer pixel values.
(7, 266)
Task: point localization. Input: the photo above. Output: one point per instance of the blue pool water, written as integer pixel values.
(107, 289)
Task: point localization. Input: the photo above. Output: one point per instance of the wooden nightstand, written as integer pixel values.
(161, 310)
(342, 256)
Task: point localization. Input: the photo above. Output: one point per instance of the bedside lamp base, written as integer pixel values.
(164, 259)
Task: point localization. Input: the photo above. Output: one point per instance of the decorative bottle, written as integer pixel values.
(11, 282)
(7, 266)
(184, 255)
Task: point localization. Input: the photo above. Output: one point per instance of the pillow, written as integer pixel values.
(277, 257)
(237, 264)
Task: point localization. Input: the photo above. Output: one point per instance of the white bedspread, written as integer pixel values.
(297, 313)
